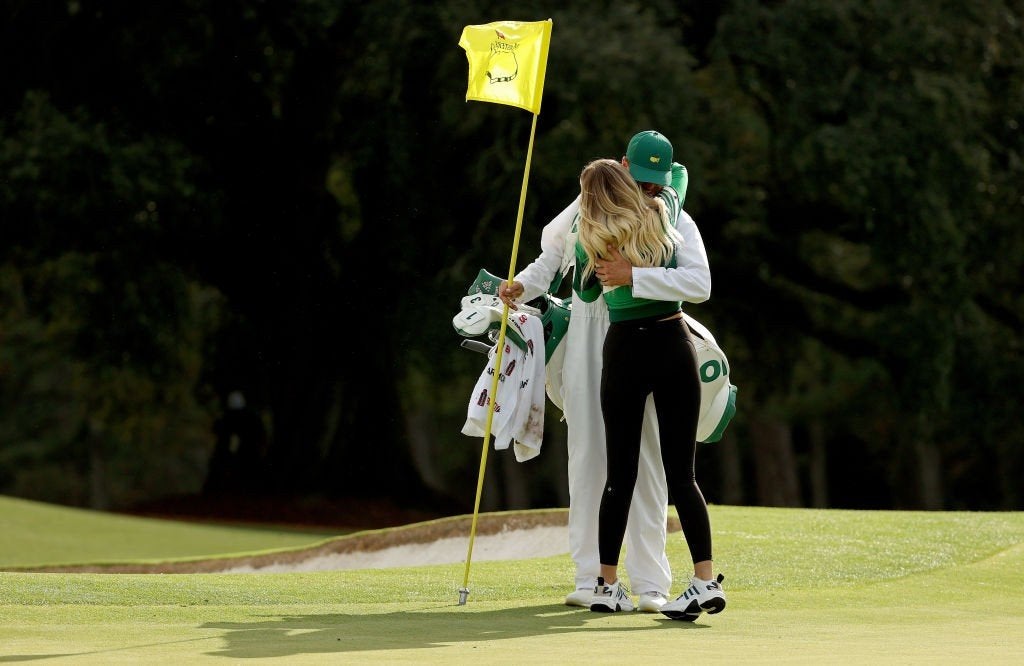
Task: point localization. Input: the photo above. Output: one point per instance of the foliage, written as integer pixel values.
(872, 125)
(102, 330)
(290, 199)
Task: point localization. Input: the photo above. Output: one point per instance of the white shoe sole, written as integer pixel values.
(688, 614)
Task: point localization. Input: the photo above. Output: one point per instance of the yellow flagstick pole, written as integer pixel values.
(464, 592)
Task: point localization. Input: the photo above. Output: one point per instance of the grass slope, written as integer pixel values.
(36, 534)
(804, 586)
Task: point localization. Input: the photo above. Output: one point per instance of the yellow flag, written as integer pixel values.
(507, 62)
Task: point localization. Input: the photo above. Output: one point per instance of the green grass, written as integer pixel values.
(36, 534)
(804, 586)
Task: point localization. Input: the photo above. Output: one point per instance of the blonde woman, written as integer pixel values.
(647, 351)
(649, 158)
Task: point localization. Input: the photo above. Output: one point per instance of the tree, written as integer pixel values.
(102, 333)
(290, 201)
(856, 227)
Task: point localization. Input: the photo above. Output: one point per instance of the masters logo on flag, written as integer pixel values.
(507, 62)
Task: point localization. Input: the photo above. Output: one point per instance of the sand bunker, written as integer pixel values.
(499, 536)
(511, 545)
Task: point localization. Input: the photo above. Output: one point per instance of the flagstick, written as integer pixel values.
(464, 592)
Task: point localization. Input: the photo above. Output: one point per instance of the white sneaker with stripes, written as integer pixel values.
(702, 596)
(651, 602)
(611, 598)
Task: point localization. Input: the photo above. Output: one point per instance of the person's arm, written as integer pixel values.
(537, 277)
(673, 196)
(690, 281)
(588, 290)
(680, 180)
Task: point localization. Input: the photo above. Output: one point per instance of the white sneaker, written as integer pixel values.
(702, 596)
(580, 597)
(610, 598)
(651, 602)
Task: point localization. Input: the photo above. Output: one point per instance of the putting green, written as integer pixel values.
(804, 586)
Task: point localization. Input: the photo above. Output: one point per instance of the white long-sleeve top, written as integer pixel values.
(690, 281)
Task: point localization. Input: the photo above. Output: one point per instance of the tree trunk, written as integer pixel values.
(1009, 472)
(99, 496)
(818, 471)
(418, 426)
(730, 470)
(929, 474)
(514, 481)
(777, 480)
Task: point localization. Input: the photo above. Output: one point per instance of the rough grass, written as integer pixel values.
(804, 586)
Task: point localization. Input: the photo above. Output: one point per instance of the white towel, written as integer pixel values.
(519, 407)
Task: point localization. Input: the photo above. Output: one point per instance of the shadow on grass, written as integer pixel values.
(32, 657)
(410, 630)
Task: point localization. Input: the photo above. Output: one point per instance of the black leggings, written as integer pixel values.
(642, 357)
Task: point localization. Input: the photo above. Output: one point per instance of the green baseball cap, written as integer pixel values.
(650, 158)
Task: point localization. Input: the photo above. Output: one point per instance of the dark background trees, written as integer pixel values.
(289, 199)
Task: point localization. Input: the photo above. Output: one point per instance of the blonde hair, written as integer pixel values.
(614, 211)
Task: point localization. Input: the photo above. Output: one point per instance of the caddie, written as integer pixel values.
(645, 563)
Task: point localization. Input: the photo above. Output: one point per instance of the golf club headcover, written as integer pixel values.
(481, 313)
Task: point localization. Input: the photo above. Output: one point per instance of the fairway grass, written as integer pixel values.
(804, 586)
(37, 535)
